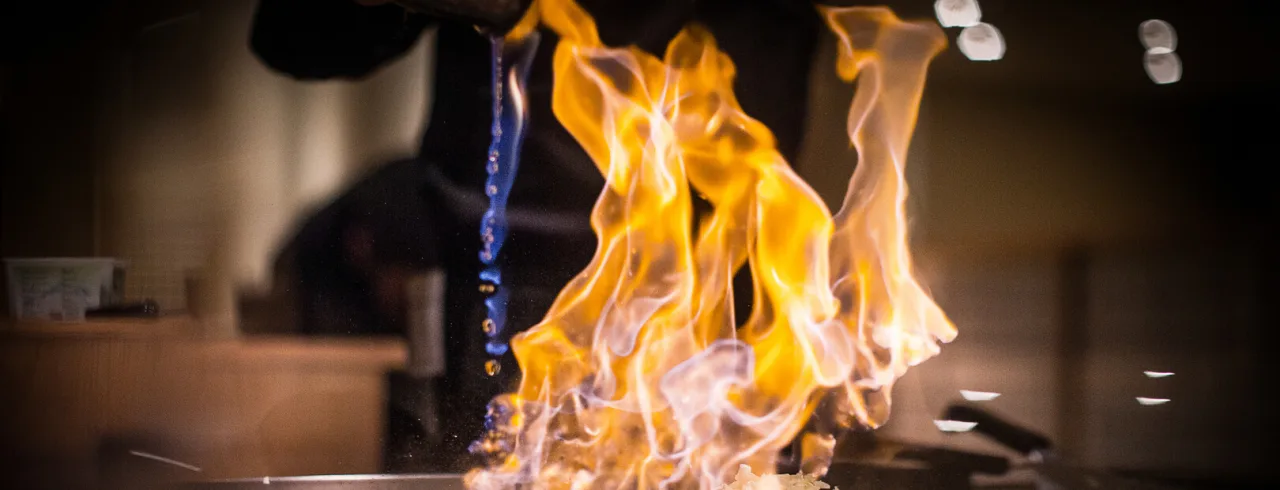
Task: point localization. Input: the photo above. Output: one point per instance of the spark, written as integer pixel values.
(979, 396)
(954, 425)
(1158, 374)
(165, 460)
(1152, 401)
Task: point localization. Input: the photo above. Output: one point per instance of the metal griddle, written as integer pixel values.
(878, 477)
(866, 462)
(337, 482)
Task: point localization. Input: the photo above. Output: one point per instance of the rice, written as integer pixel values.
(746, 480)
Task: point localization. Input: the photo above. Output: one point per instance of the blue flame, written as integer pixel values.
(503, 160)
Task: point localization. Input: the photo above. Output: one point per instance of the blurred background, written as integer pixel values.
(1080, 223)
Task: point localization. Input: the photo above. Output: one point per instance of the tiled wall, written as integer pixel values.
(1007, 185)
(1194, 310)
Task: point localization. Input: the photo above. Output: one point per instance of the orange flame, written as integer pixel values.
(637, 376)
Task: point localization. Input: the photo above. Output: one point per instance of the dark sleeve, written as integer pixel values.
(317, 39)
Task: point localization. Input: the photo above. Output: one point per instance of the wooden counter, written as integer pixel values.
(77, 397)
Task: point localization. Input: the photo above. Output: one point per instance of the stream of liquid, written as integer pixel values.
(510, 69)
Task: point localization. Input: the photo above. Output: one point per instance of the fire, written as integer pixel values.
(637, 376)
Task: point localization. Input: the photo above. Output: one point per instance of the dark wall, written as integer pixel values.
(50, 102)
(1082, 224)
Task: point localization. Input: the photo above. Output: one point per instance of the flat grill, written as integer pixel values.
(435, 481)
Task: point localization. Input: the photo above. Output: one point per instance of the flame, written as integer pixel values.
(637, 376)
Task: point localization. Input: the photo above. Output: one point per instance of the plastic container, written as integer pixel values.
(61, 289)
